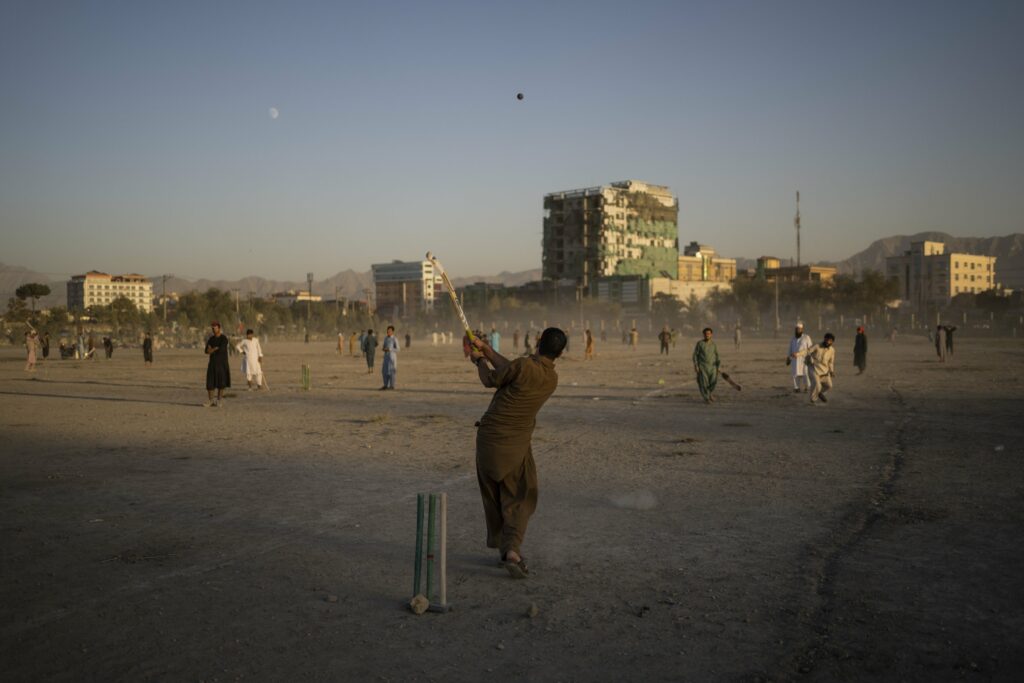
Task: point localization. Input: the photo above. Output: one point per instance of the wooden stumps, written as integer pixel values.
(433, 507)
(418, 563)
(443, 573)
(431, 515)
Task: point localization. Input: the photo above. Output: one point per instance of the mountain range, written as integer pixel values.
(1009, 251)
(348, 284)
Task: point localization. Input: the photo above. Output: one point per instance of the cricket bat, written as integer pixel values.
(451, 292)
(725, 376)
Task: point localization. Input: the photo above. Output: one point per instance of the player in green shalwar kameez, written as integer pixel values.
(705, 364)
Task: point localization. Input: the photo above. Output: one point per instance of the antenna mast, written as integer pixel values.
(796, 222)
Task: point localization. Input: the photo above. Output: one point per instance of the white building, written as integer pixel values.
(100, 289)
(404, 286)
(928, 274)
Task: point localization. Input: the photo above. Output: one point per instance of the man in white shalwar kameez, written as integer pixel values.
(798, 347)
(252, 359)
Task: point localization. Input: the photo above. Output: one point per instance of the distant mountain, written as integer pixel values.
(1008, 250)
(12, 277)
(504, 277)
(347, 283)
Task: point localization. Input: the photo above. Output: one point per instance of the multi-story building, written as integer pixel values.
(623, 228)
(637, 294)
(699, 263)
(293, 296)
(772, 269)
(100, 289)
(927, 274)
(402, 287)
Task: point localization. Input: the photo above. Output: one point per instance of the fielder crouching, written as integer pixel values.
(505, 469)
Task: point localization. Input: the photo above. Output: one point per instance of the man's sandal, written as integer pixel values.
(517, 570)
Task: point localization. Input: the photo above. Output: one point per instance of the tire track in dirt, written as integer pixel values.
(811, 635)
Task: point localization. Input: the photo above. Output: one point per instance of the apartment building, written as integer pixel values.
(402, 287)
(772, 269)
(928, 274)
(100, 289)
(700, 263)
(621, 229)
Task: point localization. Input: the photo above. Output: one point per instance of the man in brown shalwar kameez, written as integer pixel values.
(505, 468)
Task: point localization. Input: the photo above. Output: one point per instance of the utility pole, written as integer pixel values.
(309, 303)
(163, 295)
(776, 306)
(796, 222)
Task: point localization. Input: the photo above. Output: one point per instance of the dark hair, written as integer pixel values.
(390, 327)
(552, 342)
(829, 335)
(707, 329)
(249, 331)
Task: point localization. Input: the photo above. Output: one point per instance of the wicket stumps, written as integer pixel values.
(305, 377)
(438, 543)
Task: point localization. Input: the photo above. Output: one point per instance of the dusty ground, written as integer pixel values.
(144, 537)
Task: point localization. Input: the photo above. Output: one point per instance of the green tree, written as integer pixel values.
(16, 310)
(749, 313)
(34, 291)
(695, 312)
(57, 320)
(665, 308)
(120, 314)
(870, 294)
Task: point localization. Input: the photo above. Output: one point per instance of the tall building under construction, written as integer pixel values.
(624, 228)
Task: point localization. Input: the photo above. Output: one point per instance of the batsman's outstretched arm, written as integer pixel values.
(483, 370)
(493, 357)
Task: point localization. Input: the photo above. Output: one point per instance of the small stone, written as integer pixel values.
(532, 611)
(501, 646)
(332, 598)
(419, 604)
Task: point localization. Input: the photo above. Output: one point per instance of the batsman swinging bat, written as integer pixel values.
(451, 292)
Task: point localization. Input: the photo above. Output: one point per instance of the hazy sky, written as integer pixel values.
(138, 136)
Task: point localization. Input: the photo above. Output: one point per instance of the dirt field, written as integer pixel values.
(758, 538)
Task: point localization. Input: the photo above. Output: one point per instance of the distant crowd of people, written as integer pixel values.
(812, 365)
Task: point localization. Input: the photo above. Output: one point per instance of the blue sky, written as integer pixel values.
(136, 136)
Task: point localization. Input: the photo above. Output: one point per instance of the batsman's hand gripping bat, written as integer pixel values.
(725, 376)
(451, 292)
